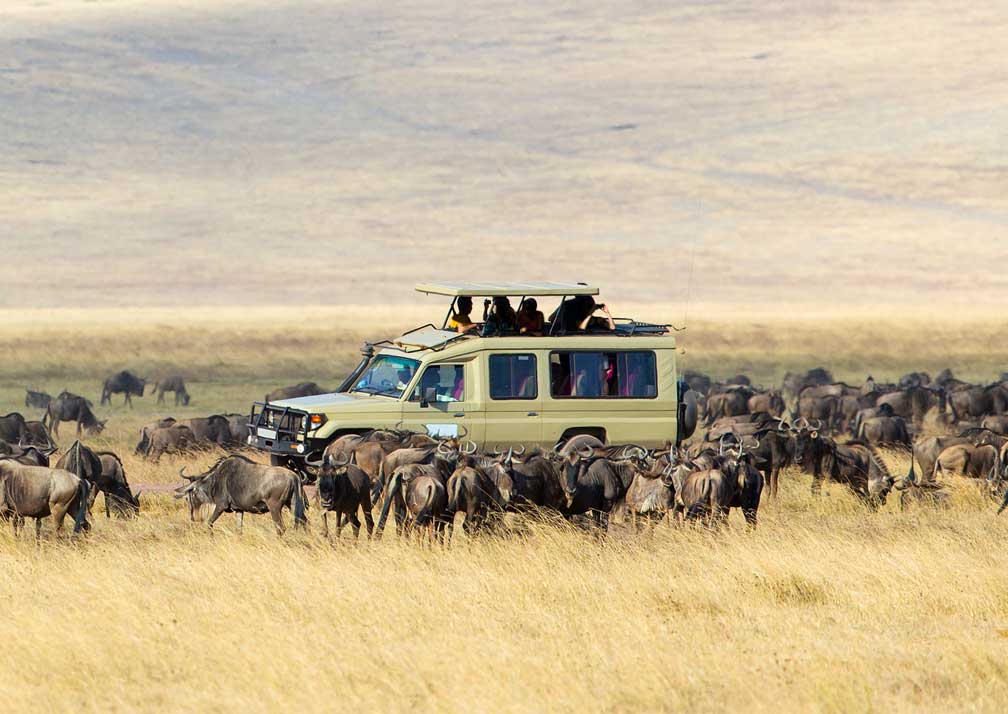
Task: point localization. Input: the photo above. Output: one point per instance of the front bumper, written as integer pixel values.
(283, 432)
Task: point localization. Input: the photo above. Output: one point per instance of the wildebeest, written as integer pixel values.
(966, 459)
(883, 430)
(733, 401)
(37, 435)
(30, 455)
(912, 492)
(794, 383)
(37, 492)
(170, 439)
(914, 379)
(595, 485)
(419, 491)
(174, 384)
(473, 492)
(70, 407)
(236, 484)
(733, 482)
(998, 424)
(239, 427)
(39, 400)
(124, 382)
(214, 429)
(109, 479)
(915, 402)
(769, 401)
(13, 428)
(369, 449)
(854, 464)
(976, 402)
(143, 445)
(305, 389)
(344, 488)
(651, 494)
(696, 381)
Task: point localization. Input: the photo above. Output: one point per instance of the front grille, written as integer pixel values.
(289, 424)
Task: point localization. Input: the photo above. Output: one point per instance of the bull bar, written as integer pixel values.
(282, 431)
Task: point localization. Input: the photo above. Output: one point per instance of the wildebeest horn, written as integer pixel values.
(470, 451)
(799, 421)
(442, 447)
(510, 453)
(819, 424)
(463, 431)
(587, 452)
(522, 447)
(188, 478)
(315, 464)
(339, 464)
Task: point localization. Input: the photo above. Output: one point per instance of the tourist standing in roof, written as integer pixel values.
(460, 320)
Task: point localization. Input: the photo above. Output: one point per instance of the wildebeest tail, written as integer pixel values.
(376, 487)
(80, 520)
(298, 499)
(390, 491)
(454, 495)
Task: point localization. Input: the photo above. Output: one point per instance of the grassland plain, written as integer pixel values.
(826, 607)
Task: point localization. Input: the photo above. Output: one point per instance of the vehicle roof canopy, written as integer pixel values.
(506, 289)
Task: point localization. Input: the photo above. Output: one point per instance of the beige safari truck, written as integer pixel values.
(495, 385)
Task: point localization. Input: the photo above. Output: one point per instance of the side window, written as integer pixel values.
(603, 375)
(447, 380)
(513, 377)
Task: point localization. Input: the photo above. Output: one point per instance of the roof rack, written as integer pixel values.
(507, 289)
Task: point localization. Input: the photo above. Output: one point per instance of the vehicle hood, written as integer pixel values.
(324, 403)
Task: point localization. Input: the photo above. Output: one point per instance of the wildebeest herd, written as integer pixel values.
(827, 428)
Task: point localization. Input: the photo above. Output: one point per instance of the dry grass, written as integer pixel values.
(826, 607)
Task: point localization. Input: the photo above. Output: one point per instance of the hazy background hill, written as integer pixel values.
(802, 153)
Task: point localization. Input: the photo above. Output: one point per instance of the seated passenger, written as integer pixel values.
(530, 320)
(498, 316)
(460, 320)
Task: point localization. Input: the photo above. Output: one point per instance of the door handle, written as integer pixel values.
(458, 414)
(533, 414)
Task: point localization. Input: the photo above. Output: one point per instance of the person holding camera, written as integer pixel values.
(594, 322)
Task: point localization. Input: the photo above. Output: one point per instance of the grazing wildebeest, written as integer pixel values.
(39, 400)
(170, 439)
(87, 464)
(13, 428)
(124, 382)
(419, 490)
(236, 484)
(344, 488)
(116, 488)
(239, 427)
(37, 492)
(854, 464)
(174, 384)
(145, 433)
(305, 389)
(71, 407)
(29, 455)
(211, 430)
(883, 430)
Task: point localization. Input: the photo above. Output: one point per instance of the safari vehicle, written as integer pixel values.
(493, 386)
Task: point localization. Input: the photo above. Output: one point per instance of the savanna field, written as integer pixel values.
(825, 607)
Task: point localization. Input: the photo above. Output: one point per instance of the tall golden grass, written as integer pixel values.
(825, 607)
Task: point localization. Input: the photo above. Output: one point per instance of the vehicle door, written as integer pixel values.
(446, 402)
(514, 406)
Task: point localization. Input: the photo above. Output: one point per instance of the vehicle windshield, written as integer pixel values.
(387, 375)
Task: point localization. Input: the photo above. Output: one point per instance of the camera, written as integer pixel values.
(600, 306)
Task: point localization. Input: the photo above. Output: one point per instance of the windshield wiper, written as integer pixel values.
(368, 390)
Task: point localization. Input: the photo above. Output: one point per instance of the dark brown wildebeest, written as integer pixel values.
(577, 443)
(174, 384)
(39, 400)
(36, 434)
(369, 449)
(772, 452)
(593, 485)
(914, 403)
(884, 430)
(71, 407)
(734, 401)
(344, 488)
(444, 456)
(882, 410)
(976, 402)
(28, 455)
(473, 492)
(651, 494)
(176, 438)
(239, 485)
(827, 409)
(698, 382)
(535, 481)
(13, 428)
(145, 433)
(124, 382)
(86, 464)
(854, 464)
(418, 490)
(928, 448)
(914, 379)
(211, 430)
(124, 502)
(305, 389)
(732, 482)
(794, 383)
(997, 424)
(239, 427)
(37, 492)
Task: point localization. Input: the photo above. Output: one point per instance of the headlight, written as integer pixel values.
(317, 420)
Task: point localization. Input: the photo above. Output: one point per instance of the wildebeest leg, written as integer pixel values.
(128, 400)
(355, 524)
(750, 516)
(240, 519)
(817, 479)
(38, 529)
(368, 518)
(325, 524)
(339, 524)
(80, 424)
(277, 513)
(217, 513)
